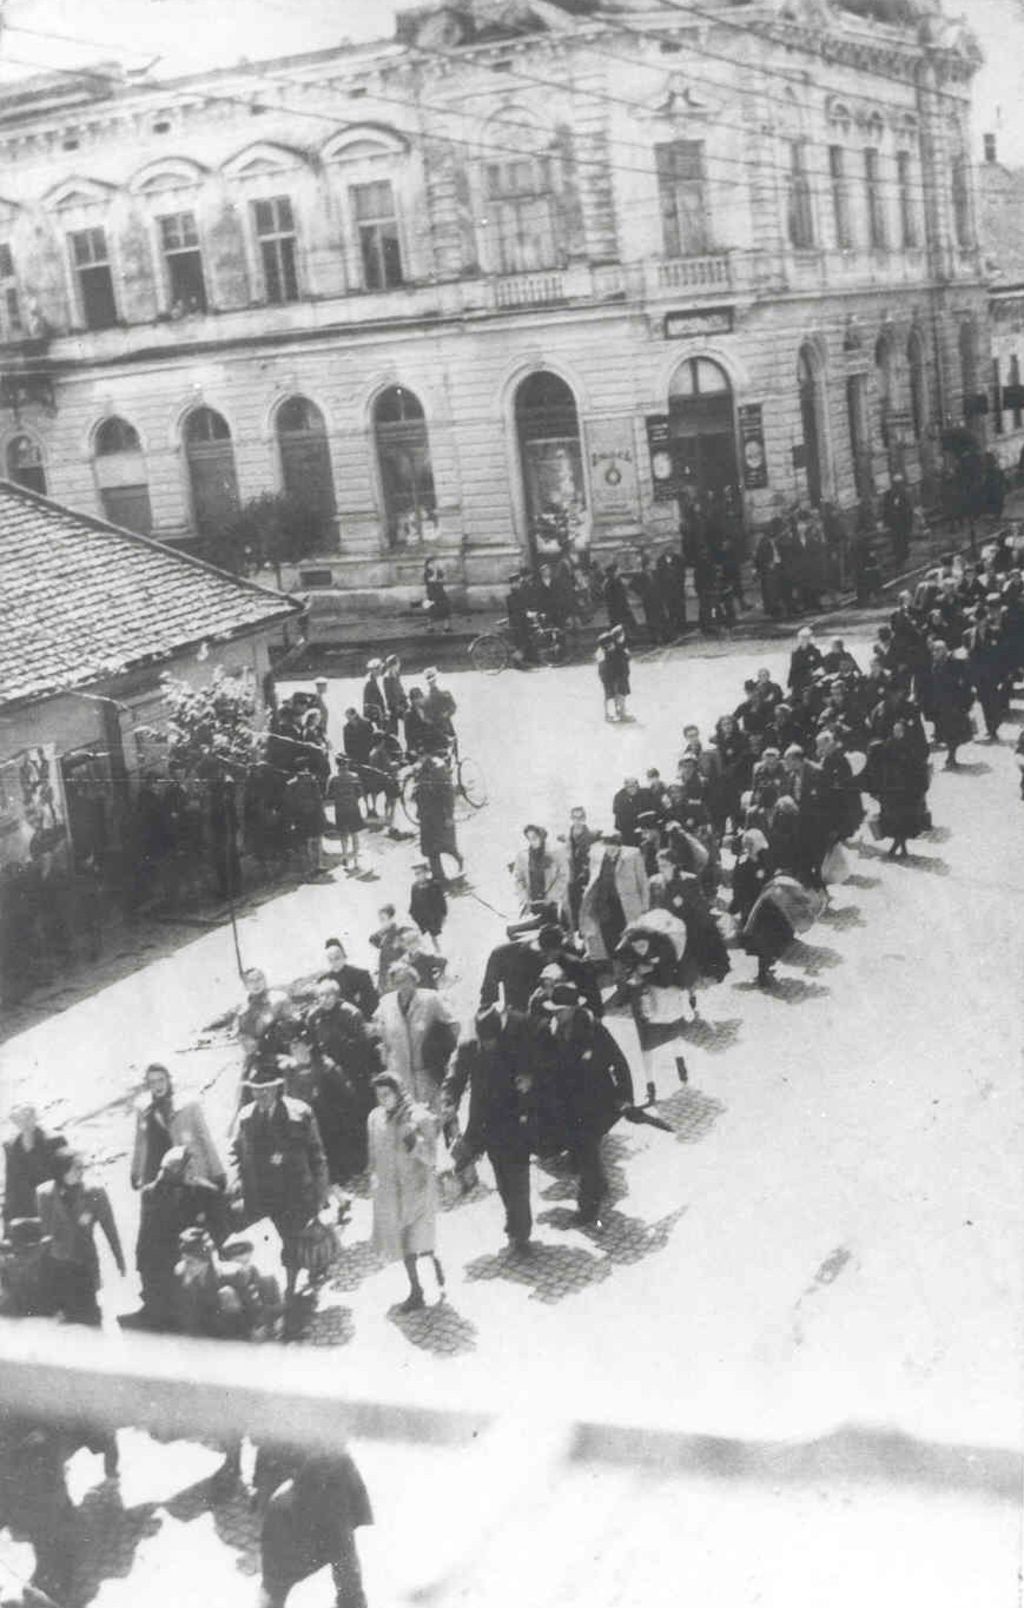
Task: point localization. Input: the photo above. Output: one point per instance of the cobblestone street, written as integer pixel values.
(828, 1237)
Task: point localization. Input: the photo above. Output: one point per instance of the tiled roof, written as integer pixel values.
(81, 599)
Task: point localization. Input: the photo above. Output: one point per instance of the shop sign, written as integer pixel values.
(752, 449)
(611, 459)
(709, 321)
(663, 464)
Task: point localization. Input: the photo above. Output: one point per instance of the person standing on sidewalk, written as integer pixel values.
(402, 1138)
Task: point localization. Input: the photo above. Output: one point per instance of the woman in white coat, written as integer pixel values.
(161, 1122)
(403, 1168)
(417, 1033)
(616, 896)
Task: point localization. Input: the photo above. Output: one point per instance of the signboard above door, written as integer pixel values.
(706, 321)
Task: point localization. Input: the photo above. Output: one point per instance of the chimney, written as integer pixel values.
(990, 147)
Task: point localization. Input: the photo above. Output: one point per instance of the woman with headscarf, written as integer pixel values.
(896, 774)
(162, 1122)
(402, 1138)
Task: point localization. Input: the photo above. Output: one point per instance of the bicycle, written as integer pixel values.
(493, 651)
(468, 780)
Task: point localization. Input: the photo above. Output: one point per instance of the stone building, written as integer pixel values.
(1000, 192)
(525, 259)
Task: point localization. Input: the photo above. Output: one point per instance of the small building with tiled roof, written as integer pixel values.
(91, 618)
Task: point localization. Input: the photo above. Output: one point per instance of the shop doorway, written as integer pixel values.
(702, 428)
(548, 427)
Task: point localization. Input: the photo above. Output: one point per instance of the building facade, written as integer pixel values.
(1001, 228)
(524, 262)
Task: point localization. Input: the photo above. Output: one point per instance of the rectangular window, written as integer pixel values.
(95, 280)
(961, 204)
(998, 422)
(275, 231)
(908, 211)
(800, 214)
(873, 197)
(180, 243)
(521, 214)
(840, 197)
(377, 227)
(682, 192)
(11, 326)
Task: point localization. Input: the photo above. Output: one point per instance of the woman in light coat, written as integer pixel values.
(540, 874)
(617, 877)
(417, 1033)
(160, 1123)
(403, 1166)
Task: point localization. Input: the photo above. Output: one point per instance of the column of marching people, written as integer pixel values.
(622, 923)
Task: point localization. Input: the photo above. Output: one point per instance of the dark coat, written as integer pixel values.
(315, 1505)
(588, 1073)
(355, 985)
(281, 1164)
(167, 1207)
(375, 707)
(435, 801)
(25, 1170)
(428, 907)
(506, 1122)
(358, 737)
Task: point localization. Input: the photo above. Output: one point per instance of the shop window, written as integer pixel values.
(179, 241)
(406, 475)
(683, 197)
(275, 231)
(94, 276)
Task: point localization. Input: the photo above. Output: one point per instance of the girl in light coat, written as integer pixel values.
(160, 1123)
(403, 1166)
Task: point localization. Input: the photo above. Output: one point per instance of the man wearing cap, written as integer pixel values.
(539, 874)
(504, 1111)
(579, 1060)
(375, 705)
(281, 1167)
(514, 968)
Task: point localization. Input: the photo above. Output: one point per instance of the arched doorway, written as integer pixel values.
(25, 464)
(306, 459)
(211, 468)
(548, 430)
(406, 475)
(808, 379)
(121, 476)
(702, 427)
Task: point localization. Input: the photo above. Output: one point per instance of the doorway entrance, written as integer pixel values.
(702, 427)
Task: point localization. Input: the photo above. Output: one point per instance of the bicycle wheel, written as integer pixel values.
(410, 808)
(471, 783)
(489, 653)
(556, 648)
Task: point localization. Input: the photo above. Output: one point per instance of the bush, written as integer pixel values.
(272, 529)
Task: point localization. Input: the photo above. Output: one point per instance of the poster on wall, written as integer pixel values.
(33, 819)
(752, 450)
(663, 466)
(611, 460)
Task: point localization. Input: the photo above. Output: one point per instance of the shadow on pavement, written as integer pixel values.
(691, 1113)
(355, 1263)
(858, 881)
(108, 1536)
(715, 1037)
(623, 1239)
(788, 990)
(969, 767)
(550, 1272)
(923, 862)
(439, 1329)
(811, 958)
(843, 918)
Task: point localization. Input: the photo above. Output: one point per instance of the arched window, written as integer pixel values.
(406, 477)
(25, 463)
(121, 477)
(701, 427)
(1016, 400)
(211, 468)
(306, 459)
(808, 380)
(548, 427)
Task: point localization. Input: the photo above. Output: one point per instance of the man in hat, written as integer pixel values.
(578, 1058)
(281, 1167)
(504, 1111)
(514, 968)
(540, 875)
(312, 1506)
(517, 605)
(650, 840)
(375, 704)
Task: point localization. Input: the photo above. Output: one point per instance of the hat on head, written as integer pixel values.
(264, 1075)
(402, 972)
(431, 674)
(321, 681)
(563, 995)
(236, 1247)
(613, 839)
(531, 826)
(374, 664)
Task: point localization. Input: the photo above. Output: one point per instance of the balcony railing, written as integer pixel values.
(530, 290)
(694, 273)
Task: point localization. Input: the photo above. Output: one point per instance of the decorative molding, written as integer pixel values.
(264, 156)
(167, 173)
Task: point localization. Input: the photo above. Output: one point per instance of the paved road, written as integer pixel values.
(831, 1237)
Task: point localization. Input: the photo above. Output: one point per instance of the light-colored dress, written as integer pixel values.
(404, 1181)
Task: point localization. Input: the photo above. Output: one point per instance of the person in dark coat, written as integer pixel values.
(29, 1160)
(896, 775)
(395, 700)
(647, 587)
(948, 700)
(513, 970)
(428, 906)
(357, 737)
(281, 1168)
(343, 794)
(345, 1059)
(437, 603)
(988, 659)
(435, 804)
(305, 812)
(375, 703)
(312, 1506)
(354, 983)
(505, 1117)
(70, 1211)
(898, 518)
(804, 660)
(168, 1206)
(837, 799)
(594, 1086)
(616, 601)
(613, 670)
(671, 580)
(751, 873)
